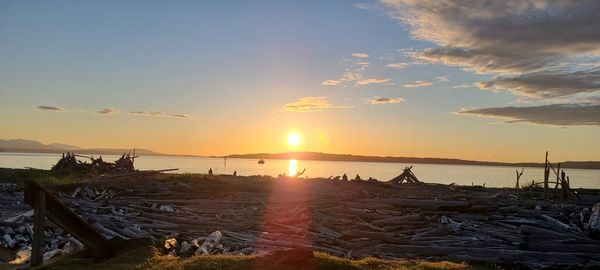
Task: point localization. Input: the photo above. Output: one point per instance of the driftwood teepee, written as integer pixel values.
(407, 175)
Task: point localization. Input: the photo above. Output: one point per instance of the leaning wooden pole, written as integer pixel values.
(546, 176)
(557, 181)
(37, 245)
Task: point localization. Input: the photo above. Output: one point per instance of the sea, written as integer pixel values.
(490, 176)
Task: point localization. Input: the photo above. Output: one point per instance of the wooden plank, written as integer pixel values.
(37, 245)
(546, 176)
(64, 217)
(557, 181)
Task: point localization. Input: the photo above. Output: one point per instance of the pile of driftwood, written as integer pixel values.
(70, 164)
(255, 215)
(406, 176)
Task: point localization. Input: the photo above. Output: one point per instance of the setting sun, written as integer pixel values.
(293, 139)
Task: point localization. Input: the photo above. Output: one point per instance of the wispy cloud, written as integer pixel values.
(465, 85)
(363, 64)
(354, 74)
(185, 116)
(147, 113)
(355, 77)
(50, 108)
(108, 111)
(384, 100)
(310, 104)
(367, 6)
(553, 114)
(331, 82)
(160, 114)
(360, 55)
(372, 81)
(418, 84)
(398, 65)
(443, 78)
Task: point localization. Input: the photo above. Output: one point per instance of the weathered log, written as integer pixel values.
(592, 227)
(570, 248)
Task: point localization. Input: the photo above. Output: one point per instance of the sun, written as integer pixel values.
(293, 139)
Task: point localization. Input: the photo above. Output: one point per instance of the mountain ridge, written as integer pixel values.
(32, 146)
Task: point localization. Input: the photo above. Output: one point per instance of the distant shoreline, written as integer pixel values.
(589, 165)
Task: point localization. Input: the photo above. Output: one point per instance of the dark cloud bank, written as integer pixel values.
(538, 50)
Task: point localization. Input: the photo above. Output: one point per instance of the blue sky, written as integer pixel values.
(217, 75)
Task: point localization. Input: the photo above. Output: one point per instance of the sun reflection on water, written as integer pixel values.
(292, 170)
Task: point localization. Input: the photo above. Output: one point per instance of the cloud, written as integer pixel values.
(544, 85)
(50, 108)
(418, 84)
(331, 82)
(360, 55)
(355, 73)
(537, 48)
(465, 85)
(553, 114)
(363, 64)
(367, 6)
(107, 111)
(185, 116)
(398, 65)
(384, 100)
(372, 81)
(351, 76)
(146, 113)
(160, 114)
(502, 35)
(310, 104)
(443, 78)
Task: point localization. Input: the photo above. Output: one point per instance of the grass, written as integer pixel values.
(44, 177)
(322, 262)
(145, 258)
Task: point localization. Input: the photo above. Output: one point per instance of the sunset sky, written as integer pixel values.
(497, 80)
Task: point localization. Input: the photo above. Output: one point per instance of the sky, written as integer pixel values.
(483, 80)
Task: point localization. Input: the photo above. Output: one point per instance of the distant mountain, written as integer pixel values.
(63, 146)
(31, 146)
(409, 160)
(118, 151)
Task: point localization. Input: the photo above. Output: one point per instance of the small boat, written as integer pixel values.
(261, 162)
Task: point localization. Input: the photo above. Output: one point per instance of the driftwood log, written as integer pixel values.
(344, 218)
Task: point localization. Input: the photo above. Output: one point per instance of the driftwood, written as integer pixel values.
(593, 225)
(406, 175)
(256, 215)
(68, 163)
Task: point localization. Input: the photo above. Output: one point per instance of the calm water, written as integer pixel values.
(431, 173)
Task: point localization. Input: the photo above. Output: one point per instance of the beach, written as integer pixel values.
(352, 219)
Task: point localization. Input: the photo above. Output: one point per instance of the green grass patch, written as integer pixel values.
(44, 177)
